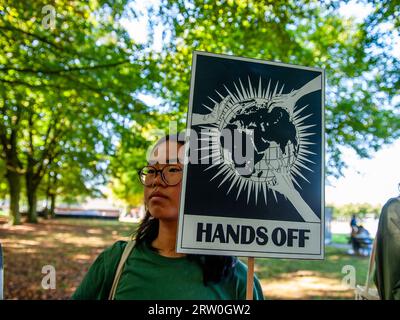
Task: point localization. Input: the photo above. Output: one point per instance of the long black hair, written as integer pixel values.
(215, 268)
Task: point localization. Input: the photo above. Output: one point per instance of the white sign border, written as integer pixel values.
(179, 247)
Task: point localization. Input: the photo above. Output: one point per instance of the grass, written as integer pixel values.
(331, 266)
(313, 279)
(71, 245)
(340, 238)
(310, 279)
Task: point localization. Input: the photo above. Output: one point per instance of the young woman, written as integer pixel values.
(153, 269)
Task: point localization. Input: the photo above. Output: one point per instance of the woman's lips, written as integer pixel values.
(157, 196)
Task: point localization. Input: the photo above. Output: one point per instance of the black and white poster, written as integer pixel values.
(253, 181)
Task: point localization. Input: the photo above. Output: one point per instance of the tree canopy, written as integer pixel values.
(67, 91)
(361, 70)
(70, 75)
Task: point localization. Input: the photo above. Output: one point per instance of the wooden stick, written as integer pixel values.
(250, 278)
(1, 275)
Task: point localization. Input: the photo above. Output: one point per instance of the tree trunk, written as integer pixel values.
(45, 213)
(14, 184)
(31, 188)
(52, 205)
(32, 214)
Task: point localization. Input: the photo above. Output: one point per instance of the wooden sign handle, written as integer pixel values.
(250, 278)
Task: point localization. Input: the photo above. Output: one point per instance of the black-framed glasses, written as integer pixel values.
(171, 175)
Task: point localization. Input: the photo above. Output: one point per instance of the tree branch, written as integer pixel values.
(40, 38)
(31, 153)
(19, 82)
(4, 142)
(85, 85)
(69, 69)
(52, 123)
(49, 153)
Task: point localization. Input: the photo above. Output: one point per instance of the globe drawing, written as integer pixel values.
(274, 159)
(258, 141)
(274, 139)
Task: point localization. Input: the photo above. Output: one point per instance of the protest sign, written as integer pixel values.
(253, 181)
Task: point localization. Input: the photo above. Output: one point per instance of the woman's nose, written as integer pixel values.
(158, 180)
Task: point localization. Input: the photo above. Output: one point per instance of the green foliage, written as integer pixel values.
(131, 155)
(70, 121)
(362, 74)
(3, 184)
(67, 93)
(359, 209)
(125, 184)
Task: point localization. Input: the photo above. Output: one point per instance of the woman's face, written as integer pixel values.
(161, 199)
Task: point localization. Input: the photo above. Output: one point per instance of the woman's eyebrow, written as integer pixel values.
(168, 161)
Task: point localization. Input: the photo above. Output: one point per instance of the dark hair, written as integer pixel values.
(215, 268)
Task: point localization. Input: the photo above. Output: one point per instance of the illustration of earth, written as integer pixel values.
(274, 141)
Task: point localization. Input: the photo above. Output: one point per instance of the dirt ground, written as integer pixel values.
(71, 245)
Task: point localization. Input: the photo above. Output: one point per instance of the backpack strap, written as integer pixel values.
(128, 248)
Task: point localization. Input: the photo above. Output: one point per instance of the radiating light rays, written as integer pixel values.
(304, 144)
(243, 94)
(207, 107)
(222, 161)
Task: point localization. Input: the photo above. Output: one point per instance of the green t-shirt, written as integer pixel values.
(148, 275)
